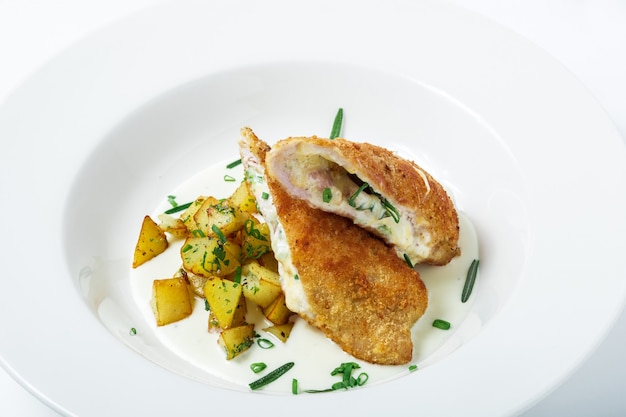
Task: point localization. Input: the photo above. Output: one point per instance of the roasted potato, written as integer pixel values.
(243, 198)
(277, 312)
(171, 300)
(255, 240)
(223, 215)
(207, 256)
(280, 331)
(223, 297)
(236, 340)
(172, 225)
(152, 242)
(260, 285)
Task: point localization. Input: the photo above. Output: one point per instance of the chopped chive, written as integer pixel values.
(172, 200)
(133, 331)
(469, 281)
(178, 208)
(271, 377)
(408, 261)
(296, 277)
(187, 248)
(327, 195)
(441, 324)
(393, 212)
(207, 307)
(412, 368)
(264, 343)
(198, 233)
(233, 164)
(229, 178)
(353, 197)
(265, 195)
(336, 130)
(294, 386)
(258, 367)
(237, 277)
(218, 233)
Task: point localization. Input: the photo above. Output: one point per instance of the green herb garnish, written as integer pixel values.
(336, 130)
(353, 197)
(132, 331)
(258, 367)
(271, 377)
(229, 178)
(294, 386)
(327, 195)
(264, 343)
(218, 233)
(233, 164)
(178, 208)
(408, 261)
(469, 281)
(441, 324)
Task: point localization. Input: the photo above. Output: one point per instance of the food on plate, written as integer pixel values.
(152, 242)
(236, 340)
(171, 300)
(227, 260)
(389, 196)
(335, 274)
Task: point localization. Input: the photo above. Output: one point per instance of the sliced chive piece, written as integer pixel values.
(412, 368)
(264, 343)
(178, 208)
(327, 195)
(258, 367)
(229, 178)
(132, 331)
(393, 212)
(408, 261)
(336, 130)
(265, 195)
(353, 197)
(233, 164)
(237, 277)
(294, 386)
(172, 200)
(271, 377)
(441, 324)
(207, 307)
(218, 233)
(469, 281)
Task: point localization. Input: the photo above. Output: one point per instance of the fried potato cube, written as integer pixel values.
(260, 285)
(223, 215)
(277, 312)
(243, 198)
(207, 256)
(187, 216)
(239, 319)
(236, 340)
(280, 331)
(152, 242)
(171, 300)
(255, 240)
(173, 226)
(223, 297)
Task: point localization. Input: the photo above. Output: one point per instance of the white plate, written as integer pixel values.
(99, 135)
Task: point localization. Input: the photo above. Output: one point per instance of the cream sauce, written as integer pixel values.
(314, 355)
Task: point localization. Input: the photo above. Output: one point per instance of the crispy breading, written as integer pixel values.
(360, 294)
(421, 201)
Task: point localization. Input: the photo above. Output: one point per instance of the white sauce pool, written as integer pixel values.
(314, 355)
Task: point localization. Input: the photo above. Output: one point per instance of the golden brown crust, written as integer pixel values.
(405, 184)
(362, 296)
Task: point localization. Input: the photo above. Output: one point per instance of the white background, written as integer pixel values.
(588, 37)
